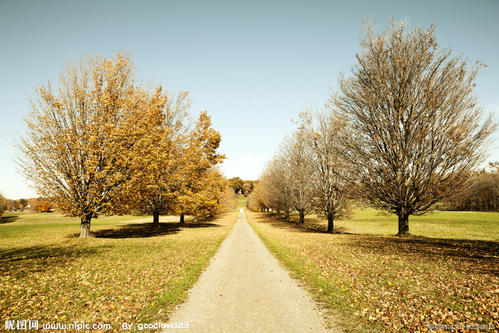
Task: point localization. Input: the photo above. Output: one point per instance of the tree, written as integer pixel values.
(237, 184)
(197, 177)
(206, 200)
(42, 205)
(9, 204)
(22, 203)
(481, 192)
(153, 188)
(15, 204)
(296, 155)
(248, 187)
(83, 138)
(416, 128)
(256, 199)
(331, 173)
(275, 186)
(2, 204)
(32, 202)
(241, 186)
(228, 199)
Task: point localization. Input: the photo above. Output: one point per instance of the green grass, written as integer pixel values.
(32, 228)
(129, 272)
(439, 224)
(241, 201)
(370, 281)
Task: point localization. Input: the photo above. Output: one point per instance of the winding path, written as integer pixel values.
(244, 289)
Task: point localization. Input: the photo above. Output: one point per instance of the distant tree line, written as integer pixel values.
(240, 186)
(36, 204)
(15, 204)
(403, 134)
(481, 192)
(100, 143)
(308, 174)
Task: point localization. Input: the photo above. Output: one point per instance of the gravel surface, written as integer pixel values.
(244, 289)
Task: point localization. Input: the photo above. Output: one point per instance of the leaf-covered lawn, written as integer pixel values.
(373, 283)
(128, 273)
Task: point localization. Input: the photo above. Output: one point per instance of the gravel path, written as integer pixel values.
(244, 289)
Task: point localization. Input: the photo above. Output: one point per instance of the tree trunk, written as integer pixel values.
(155, 219)
(182, 219)
(286, 215)
(85, 226)
(330, 224)
(302, 217)
(403, 225)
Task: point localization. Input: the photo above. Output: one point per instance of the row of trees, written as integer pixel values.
(308, 174)
(481, 192)
(36, 204)
(40, 205)
(15, 204)
(241, 186)
(403, 133)
(101, 143)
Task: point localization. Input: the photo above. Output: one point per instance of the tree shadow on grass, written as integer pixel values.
(308, 227)
(280, 223)
(145, 230)
(23, 261)
(8, 219)
(482, 255)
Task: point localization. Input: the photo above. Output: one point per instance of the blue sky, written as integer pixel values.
(253, 65)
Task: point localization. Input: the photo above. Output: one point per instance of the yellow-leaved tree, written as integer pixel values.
(154, 187)
(84, 138)
(200, 186)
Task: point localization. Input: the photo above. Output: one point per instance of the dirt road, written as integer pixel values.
(244, 289)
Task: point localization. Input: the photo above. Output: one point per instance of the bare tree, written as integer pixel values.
(296, 156)
(417, 129)
(256, 199)
(274, 187)
(331, 173)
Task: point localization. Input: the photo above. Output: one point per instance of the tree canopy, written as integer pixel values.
(417, 129)
(100, 143)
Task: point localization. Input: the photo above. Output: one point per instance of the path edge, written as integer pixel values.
(326, 314)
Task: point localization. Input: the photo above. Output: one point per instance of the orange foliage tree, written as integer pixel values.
(41, 205)
(199, 185)
(84, 138)
(153, 188)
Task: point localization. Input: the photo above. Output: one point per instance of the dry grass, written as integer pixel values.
(129, 272)
(386, 283)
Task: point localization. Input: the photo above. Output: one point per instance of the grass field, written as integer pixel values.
(241, 201)
(129, 272)
(370, 281)
(438, 224)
